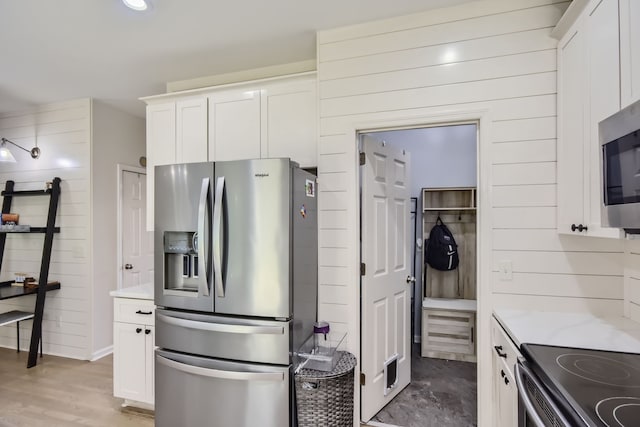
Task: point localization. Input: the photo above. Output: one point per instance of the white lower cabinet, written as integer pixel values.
(133, 347)
(505, 393)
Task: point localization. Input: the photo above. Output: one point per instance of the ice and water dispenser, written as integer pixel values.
(181, 260)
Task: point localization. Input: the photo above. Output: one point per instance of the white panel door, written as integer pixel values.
(137, 242)
(234, 125)
(385, 290)
(191, 130)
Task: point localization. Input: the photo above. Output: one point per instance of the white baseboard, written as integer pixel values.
(101, 353)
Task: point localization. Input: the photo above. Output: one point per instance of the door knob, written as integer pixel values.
(128, 266)
(411, 279)
(138, 330)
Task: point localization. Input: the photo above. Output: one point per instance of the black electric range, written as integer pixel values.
(591, 387)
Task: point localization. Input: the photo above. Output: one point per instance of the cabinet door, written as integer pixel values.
(234, 125)
(571, 155)
(129, 361)
(629, 51)
(150, 345)
(603, 65)
(161, 146)
(191, 130)
(289, 123)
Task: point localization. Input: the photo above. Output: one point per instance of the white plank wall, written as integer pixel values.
(63, 132)
(632, 279)
(495, 55)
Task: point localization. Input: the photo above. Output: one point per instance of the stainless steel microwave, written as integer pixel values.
(620, 169)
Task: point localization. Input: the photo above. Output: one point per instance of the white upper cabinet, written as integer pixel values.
(588, 92)
(289, 125)
(260, 119)
(234, 125)
(161, 145)
(629, 51)
(191, 130)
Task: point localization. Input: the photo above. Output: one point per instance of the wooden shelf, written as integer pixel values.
(453, 198)
(26, 193)
(31, 230)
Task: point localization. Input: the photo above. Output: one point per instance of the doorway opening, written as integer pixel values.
(442, 182)
(134, 242)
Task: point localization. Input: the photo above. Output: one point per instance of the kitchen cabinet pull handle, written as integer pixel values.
(216, 373)
(221, 327)
(147, 331)
(499, 351)
(202, 239)
(144, 312)
(579, 227)
(218, 238)
(138, 330)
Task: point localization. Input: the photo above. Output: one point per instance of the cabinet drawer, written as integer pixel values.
(129, 310)
(502, 345)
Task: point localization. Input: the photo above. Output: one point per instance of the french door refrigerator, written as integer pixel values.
(236, 290)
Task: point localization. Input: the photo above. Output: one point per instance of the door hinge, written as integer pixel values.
(363, 269)
(363, 159)
(362, 378)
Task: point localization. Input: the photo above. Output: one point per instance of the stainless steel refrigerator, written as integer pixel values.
(236, 290)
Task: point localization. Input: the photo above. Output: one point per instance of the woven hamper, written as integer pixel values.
(325, 399)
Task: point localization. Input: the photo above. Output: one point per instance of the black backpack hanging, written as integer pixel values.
(442, 250)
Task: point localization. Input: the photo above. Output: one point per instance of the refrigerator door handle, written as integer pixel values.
(216, 373)
(217, 237)
(202, 212)
(221, 327)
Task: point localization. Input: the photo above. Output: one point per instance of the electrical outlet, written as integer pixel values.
(506, 270)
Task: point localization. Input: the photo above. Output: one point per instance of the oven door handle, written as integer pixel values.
(523, 371)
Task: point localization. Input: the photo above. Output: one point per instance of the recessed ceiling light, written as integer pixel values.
(136, 4)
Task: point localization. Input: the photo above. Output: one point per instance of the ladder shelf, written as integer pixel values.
(49, 230)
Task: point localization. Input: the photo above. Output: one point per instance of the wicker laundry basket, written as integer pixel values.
(325, 399)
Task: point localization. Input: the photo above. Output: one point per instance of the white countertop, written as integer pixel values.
(144, 291)
(581, 330)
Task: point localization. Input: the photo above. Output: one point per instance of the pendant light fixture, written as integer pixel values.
(6, 156)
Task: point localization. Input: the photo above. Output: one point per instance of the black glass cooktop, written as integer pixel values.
(601, 387)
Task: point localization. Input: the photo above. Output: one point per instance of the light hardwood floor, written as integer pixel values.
(61, 392)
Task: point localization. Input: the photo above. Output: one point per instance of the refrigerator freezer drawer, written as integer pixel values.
(194, 391)
(260, 341)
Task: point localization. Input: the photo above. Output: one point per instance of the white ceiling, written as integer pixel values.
(58, 50)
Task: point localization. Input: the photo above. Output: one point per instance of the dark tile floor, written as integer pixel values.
(442, 393)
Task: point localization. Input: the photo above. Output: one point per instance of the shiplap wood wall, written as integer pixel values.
(63, 132)
(495, 55)
(81, 142)
(632, 279)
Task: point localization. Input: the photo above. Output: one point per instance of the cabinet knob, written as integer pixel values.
(128, 266)
(506, 380)
(502, 374)
(138, 330)
(147, 331)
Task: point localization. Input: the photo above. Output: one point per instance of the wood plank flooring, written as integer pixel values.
(61, 392)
